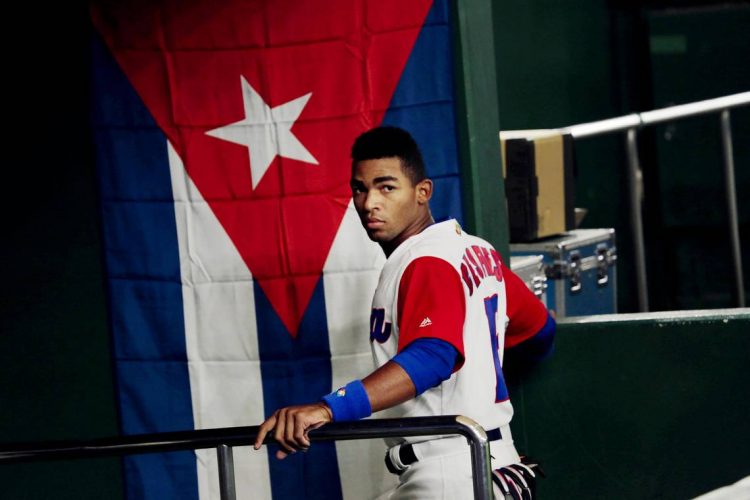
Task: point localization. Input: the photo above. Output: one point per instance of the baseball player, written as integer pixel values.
(437, 330)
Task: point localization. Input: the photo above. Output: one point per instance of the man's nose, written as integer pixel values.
(372, 200)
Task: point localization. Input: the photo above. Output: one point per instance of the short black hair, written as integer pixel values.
(390, 142)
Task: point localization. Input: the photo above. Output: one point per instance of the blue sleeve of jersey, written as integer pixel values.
(428, 362)
(537, 347)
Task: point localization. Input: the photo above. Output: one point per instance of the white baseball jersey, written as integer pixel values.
(444, 283)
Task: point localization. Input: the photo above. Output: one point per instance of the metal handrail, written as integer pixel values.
(623, 123)
(630, 124)
(224, 439)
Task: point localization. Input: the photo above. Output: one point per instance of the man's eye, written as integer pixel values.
(388, 189)
(357, 189)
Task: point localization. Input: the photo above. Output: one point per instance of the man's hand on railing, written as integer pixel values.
(290, 426)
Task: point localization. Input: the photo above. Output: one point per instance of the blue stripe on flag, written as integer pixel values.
(297, 371)
(424, 104)
(143, 268)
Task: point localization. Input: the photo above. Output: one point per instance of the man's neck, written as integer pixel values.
(417, 227)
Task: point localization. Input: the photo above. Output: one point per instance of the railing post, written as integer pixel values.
(226, 472)
(480, 458)
(731, 192)
(635, 187)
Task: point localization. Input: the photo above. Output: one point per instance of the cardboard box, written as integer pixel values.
(538, 167)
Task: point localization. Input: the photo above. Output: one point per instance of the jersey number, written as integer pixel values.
(490, 307)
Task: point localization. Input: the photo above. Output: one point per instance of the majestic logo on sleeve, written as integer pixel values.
(479, 263)
(262, 101)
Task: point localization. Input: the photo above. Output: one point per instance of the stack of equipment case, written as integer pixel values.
(580, 268)
(530, 269)
(539, 171)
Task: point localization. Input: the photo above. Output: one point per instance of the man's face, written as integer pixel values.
(390, 207)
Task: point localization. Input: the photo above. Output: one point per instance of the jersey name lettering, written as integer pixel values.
(479, 263)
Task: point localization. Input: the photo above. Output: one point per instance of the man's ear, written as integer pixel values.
(424, 191)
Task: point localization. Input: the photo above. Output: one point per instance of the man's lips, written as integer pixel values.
(373, 223)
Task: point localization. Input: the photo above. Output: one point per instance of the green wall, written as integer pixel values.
(692, 254)
(561, 63)
(555, 67)
(639, 406)
(55, 371)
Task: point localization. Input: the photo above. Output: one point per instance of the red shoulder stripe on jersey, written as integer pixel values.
(526, 313)
(431, 304)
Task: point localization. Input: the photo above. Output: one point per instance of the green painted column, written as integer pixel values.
(485, 207)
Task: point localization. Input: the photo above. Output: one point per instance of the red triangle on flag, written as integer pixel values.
(187, 61)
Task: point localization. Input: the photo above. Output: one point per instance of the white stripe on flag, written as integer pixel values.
(221, 337)
(350, 277)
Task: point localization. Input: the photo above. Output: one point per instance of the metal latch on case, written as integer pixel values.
(570, 268)
(604, 258)
(539, 285)
(574, 270)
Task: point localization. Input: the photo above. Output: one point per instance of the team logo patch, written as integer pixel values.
(425, 322)
(380, 329)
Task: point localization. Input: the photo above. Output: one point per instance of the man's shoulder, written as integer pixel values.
(445, 240)
(451, 236)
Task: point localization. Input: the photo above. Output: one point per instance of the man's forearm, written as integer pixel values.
(388, 386)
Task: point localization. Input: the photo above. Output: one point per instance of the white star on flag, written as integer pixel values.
(266, 131)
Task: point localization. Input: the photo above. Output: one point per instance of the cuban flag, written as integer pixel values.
(239, 277)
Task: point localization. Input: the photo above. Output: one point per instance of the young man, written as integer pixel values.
(437, 330)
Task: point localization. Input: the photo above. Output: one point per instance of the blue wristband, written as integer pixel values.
(349, 403)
